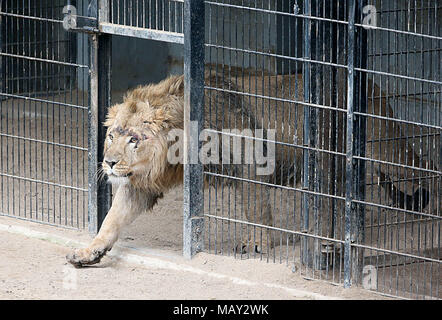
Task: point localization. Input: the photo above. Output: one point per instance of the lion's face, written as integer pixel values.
(128, 152)
(132, 153)
(136, 145)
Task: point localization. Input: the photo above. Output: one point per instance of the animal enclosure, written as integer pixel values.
(341, 99)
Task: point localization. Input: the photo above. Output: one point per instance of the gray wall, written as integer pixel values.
(138, 61)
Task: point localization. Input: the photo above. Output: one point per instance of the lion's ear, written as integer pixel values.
(176, 86)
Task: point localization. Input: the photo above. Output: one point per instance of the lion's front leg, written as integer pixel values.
(102, 243)
(126, 206)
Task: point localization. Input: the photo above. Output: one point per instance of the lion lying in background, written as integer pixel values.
(136, 150)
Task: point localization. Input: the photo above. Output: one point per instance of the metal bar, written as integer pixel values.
(275, 55)
(104, 102)
(306, 255)
(93, 136)
(275, 185)
(310, 17)
(302, 103)
(41, 182)
(254, 224)
(360, 128)
(39, 221)
(42, 60)
(401, 254)
(42, 100)
(408, 33)
(398, 210)
(142, 33)
(275, 12)
(276, 142)
(7, 14)
(100, 99)
(43, 142)
(349, 183)
(103, 11)
(193, 228)
(307, 59)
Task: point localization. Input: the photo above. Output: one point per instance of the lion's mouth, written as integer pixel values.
(127, 175)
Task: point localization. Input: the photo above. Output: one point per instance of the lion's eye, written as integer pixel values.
(111, 137)
(133, 140)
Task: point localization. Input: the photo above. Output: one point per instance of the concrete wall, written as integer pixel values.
(138, 61)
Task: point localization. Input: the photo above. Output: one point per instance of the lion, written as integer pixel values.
(137, 144)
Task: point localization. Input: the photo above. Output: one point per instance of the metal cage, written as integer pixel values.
(44, 103)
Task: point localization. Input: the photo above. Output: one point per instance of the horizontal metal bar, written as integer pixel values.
(30, 17)
(393, 224)
(42, 182)
(279, 56)
(410, 179)
(274, 185)
(43, 141)
(276, 142)
(412, 137)
(409, 33)
(42, 100)
(64, 226)
(300, 233)
(276, 12)
(382, 206)
(67, 64)
(321, 238)
(15, 15)
(322, 19)
(393, 164)
(403, 52)
(48, 41)
(408, 255)
(381, 73)
(142, 33)
(319, 106)
(423, 125)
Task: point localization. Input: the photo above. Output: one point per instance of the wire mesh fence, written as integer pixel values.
(352, 90)
(151, 14)
(43, 103)
(147, 19)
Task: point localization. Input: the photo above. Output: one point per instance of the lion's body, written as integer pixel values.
(137, 145)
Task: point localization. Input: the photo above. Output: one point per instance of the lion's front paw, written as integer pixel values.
(84, 257)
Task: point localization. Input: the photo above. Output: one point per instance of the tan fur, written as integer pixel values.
(142, 171)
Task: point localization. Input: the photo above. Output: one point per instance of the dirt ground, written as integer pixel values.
(33, 266)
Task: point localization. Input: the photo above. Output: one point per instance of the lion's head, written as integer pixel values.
(136, 146)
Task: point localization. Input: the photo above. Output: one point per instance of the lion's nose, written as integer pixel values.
(110, 163)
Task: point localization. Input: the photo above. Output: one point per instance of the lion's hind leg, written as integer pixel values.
(257, 237)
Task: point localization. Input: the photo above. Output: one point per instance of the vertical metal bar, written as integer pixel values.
(193, 224)
(358, 227)
(104, 102)
(93, 135)
(355, 146)
(103, 11)
(99, 196)
(306, 132)
(317, 39)
(349, 193)
(3, 140)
